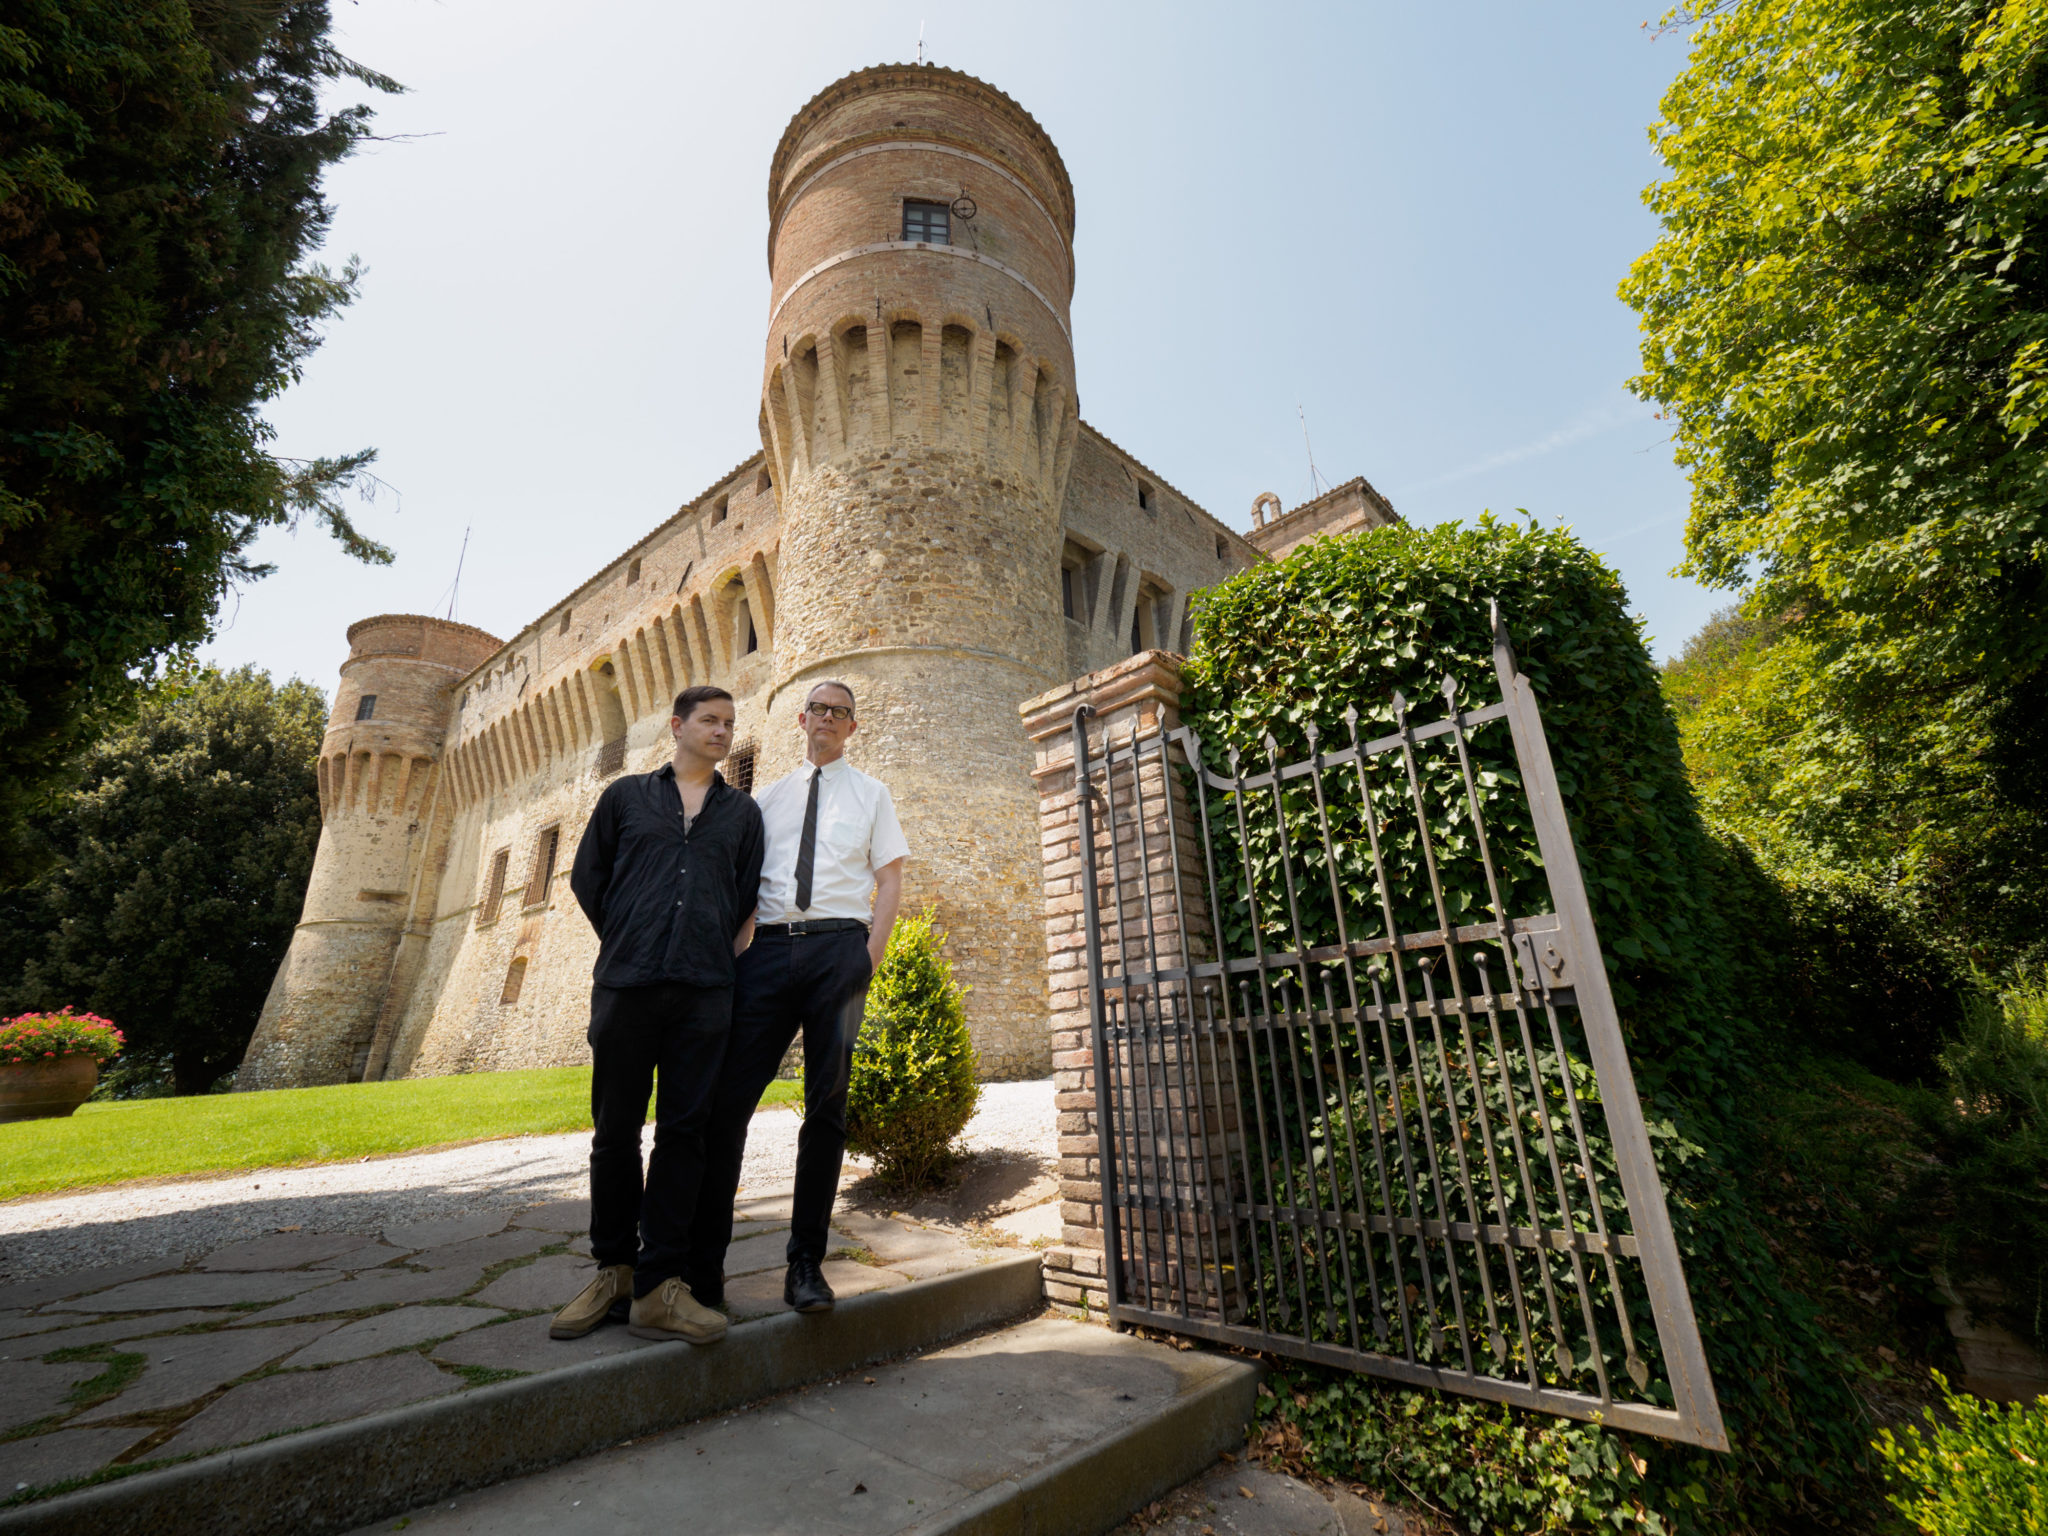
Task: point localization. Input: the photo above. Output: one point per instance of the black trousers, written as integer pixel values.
(817, 983)
(671, 1037)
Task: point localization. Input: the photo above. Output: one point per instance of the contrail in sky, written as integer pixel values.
(1589, 423)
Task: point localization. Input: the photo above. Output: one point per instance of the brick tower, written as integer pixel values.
(379, 785)
(919, 411)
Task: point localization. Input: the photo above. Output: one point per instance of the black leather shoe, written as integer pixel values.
(805, 1289)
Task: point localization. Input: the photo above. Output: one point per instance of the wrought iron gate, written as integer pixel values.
(1361, 1091)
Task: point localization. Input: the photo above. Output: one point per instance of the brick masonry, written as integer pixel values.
(1141, 693)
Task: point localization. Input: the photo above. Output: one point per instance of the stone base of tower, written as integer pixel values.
(322, 1009)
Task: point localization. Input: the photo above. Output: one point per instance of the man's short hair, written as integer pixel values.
(833, 682)
(688, 700)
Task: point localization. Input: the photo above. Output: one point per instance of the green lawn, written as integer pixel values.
(228, 1132)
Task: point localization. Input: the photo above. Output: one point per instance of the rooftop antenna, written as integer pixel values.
(920, 42)
(455, 586)
(1316, 484)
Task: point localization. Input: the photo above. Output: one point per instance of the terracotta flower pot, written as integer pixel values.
(45, 1090)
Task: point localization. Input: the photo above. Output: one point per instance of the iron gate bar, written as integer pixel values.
(1211, 1157)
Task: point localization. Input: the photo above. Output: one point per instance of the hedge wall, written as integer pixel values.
(1693, 962)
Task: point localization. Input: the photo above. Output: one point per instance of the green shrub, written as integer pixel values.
(1984, 1473)
(914, 1084)
(1993, 1121)
(1348, 622)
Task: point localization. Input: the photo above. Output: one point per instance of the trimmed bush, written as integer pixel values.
(1346, 623)
(914, 1084)
(1979, 1474)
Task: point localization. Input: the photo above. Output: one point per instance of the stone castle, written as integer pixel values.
(928, 517)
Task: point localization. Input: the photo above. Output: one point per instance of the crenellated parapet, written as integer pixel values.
(381, 787)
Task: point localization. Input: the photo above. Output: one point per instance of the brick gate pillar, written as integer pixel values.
(1143, 691)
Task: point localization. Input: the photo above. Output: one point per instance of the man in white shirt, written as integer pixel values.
(831, 879)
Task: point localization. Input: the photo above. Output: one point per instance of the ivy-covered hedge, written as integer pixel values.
(1348, 623)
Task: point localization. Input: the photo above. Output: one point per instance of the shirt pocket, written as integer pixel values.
(846, 836)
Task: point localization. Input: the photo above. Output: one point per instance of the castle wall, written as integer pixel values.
(925, 481)
(1347, 508)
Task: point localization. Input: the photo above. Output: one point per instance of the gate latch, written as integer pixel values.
(1544, 966)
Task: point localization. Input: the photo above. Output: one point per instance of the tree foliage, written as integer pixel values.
(160, 168)
(179, 862)
(1846, 320)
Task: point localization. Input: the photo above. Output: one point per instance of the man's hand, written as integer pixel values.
(888, 896)
(744, 937)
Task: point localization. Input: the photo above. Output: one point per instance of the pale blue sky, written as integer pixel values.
(1409, 220)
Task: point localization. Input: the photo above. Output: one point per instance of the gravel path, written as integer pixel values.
(45, 1235)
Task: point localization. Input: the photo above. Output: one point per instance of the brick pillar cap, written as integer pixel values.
(1149, 676)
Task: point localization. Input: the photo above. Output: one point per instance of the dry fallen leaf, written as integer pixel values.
(1244, 1490)
(867, 1381)
(860, 1487)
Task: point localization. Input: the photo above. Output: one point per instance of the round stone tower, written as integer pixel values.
(919, 409)
(379, 768)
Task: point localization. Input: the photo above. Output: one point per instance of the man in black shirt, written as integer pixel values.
(667, 873)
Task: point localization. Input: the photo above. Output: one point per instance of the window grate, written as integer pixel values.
(739, 768)
(366, 707)
(543, 879)
(494, 893)
(611, 757)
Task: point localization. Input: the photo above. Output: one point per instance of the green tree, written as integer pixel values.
(914, 1087)
(1846, 320)
(160, 168)
(178, 867)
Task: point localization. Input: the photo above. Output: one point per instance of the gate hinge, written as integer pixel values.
(1545, 966)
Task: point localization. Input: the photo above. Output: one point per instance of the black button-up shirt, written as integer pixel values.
(667, 904)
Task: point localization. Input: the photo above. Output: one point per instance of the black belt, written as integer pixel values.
(810, 925)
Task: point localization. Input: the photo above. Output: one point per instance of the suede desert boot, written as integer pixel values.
(669, 1311)
(593, 1304)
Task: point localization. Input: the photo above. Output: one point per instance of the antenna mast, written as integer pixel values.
(920, 42)
(455, 587)
(1316, 486)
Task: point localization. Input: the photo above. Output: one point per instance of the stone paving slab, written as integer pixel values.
(190, 1365)
(31, 1390)
(767, 1250)
(391, 1330)
(550, 1282)
(760, 1293)
(66, 1454)
(523, 1345)
(136, 1307)
(376, 1288)
(166, 1293)
(22, 1324)
(557, 1216)
(37, 1293)
(289, 1250)
(455, 1229)
(110, 1331)
(301, 1399)
(483, 1252)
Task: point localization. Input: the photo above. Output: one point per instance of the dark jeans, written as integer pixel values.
(672, 1037)
(817, 983)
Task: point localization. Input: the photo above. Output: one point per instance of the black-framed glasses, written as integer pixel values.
(836, 711)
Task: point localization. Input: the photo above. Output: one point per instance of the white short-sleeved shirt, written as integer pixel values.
(858, 836)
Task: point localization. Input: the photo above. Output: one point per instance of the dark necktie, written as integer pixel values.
(807, 846)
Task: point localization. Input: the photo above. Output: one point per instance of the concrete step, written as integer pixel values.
(1047, 1426)
(369, 1468)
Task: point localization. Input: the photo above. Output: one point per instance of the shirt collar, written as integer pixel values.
(668, 771)
(831, 770)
